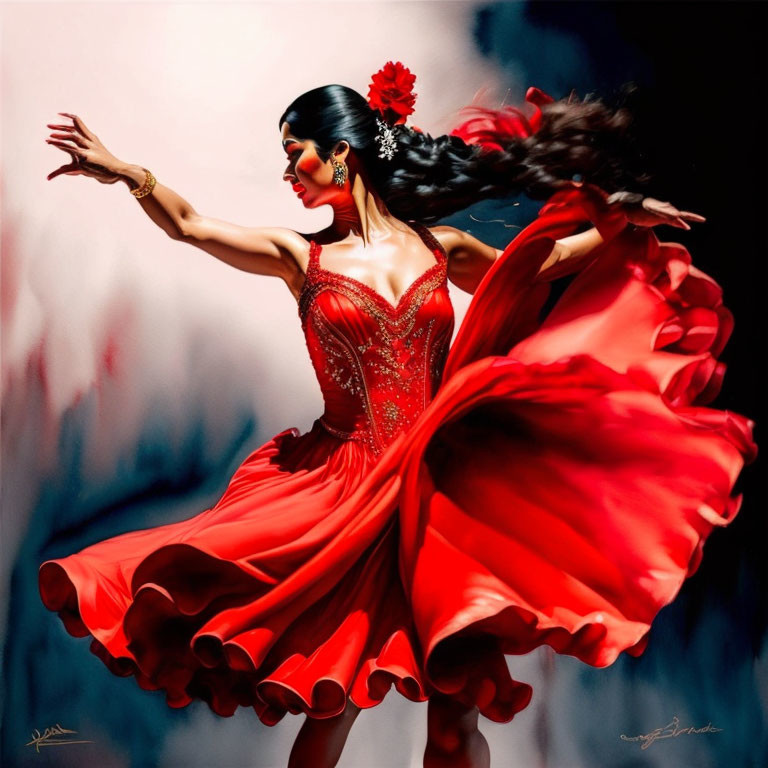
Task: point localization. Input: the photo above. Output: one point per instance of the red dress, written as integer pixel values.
(543, 480)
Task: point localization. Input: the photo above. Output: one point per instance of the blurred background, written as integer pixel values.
(137, 372)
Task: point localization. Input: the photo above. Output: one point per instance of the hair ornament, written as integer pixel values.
(391, 94)
(386, 140)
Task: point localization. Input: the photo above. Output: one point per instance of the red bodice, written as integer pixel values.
(378, 365)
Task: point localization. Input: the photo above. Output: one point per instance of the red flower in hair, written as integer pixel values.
(391, 92)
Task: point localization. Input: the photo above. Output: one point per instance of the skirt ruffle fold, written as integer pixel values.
(562, 484)
(178, 607)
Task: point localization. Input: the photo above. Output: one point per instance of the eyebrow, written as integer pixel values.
(286, 142)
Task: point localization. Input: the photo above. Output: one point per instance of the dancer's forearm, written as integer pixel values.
(570, 253)
(582, 243)
(164, 206)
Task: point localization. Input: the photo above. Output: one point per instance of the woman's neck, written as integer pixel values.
(365, 215)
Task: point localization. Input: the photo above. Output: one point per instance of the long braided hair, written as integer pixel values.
(429, 178)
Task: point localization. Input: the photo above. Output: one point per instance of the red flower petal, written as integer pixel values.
(391, 91)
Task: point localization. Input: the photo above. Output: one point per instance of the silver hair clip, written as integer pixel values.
(386, 139)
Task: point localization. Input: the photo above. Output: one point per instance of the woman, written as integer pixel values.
(541, 480)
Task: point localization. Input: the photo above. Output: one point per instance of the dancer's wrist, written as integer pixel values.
(132, 175)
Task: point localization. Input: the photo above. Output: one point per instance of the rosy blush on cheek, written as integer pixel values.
(309, 165)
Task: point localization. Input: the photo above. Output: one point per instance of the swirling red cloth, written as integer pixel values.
(491, 128)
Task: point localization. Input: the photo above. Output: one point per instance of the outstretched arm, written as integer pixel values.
(469, 258)
(574, 252)
(276, 251)
(570, 254)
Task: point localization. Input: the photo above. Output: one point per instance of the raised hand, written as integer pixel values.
(650, 212)
(89, 156)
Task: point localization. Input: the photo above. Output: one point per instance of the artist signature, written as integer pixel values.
(47, 738)
(667, 731)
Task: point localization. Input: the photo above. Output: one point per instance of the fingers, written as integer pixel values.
(60, 144)
(78, 123)
(74, 166)
(69, 168)
(682, 218)
(73, 151)
(672, 221)
(668, 214)
(60, 127)
(79, 141)
(669, 209)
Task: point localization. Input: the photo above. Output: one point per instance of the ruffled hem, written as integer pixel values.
(185, 617)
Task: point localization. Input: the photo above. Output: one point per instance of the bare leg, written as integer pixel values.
(320, 741)
(453, 740)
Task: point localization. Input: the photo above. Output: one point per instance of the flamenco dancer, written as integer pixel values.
(547, 478)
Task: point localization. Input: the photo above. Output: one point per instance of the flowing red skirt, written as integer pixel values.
(557, 490)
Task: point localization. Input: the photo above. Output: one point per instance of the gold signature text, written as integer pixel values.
(668, 731)
(50, 737)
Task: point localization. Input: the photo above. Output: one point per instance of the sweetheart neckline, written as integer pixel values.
(394, 309)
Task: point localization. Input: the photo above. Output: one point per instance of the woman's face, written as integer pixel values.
(310, 177)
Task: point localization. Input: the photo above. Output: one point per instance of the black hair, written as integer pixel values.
(430, 178)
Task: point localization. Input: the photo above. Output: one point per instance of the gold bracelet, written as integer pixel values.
(147, 186)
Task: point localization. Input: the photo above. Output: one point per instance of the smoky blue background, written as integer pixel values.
(700, 100)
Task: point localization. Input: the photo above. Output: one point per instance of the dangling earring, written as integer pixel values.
(339, 171)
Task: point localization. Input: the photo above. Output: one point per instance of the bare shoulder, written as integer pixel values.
(285, 247)
(468, 258)
(448, 237)
(460, 245)
(296, 244)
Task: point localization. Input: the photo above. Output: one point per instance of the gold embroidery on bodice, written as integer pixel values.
(378, 364)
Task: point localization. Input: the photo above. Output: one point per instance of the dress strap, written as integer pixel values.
(430, 240)
(309, 275)
(314, 254)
